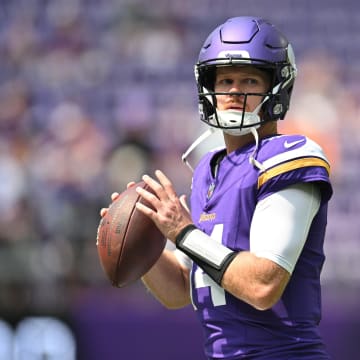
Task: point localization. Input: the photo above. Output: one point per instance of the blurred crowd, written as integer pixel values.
(95, 93)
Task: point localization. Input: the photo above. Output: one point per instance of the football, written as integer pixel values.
(128, 242)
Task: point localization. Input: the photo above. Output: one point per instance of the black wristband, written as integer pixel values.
(183, 233)
(216, 272)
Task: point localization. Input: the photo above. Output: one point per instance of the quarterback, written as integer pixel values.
(249, 252)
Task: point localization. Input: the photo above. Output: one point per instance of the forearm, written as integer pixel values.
(255, 280)
(168, 281)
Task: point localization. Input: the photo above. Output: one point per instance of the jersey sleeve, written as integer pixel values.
(285, 165)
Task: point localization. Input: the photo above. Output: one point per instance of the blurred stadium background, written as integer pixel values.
(95, 93)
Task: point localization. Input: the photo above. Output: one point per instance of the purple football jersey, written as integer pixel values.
(223, 207)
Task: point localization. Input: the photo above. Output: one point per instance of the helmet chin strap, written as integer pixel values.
(235, 117)
(246, 119)
(238, 122)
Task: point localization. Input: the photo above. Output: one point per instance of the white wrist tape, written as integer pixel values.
(206, 248)
(211, 256)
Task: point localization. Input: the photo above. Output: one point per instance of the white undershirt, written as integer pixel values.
(280, 225)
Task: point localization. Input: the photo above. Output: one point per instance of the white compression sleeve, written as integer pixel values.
(281, 223)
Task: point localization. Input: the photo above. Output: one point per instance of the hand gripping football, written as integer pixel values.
(128, 242)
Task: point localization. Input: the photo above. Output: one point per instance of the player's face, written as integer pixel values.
(240, 80)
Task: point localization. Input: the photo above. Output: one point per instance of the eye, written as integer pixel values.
(225, 81)
(251, 81)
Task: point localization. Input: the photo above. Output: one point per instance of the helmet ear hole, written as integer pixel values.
(277, 106)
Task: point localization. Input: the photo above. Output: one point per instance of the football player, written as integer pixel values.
(249, 256)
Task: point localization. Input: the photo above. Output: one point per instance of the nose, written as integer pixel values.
(236, 90)
(235, 93)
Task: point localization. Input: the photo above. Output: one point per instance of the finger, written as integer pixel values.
(149, 197)
(155, 186)
(130, 184)
(103, 212)
(166, 183)
(145, 210)
(114, 196)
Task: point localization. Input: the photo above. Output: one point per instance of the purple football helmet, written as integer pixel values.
(246, 41)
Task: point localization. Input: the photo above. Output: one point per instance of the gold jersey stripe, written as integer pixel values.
(291, 165)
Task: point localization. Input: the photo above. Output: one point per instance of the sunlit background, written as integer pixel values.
(95, 93)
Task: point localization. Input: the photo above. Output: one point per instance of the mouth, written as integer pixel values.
(236, 108)
(232, 105)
